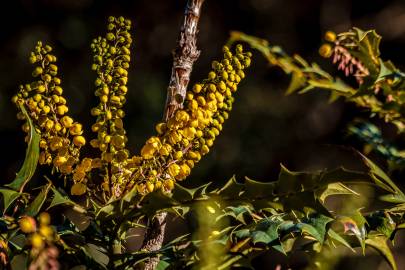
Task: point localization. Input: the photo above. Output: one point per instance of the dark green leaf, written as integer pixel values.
(31, 157)
(379, 243)
(97, 254)
(9, 196)
(34, 208)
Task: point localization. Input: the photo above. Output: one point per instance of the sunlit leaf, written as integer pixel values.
(31, 157)
(379, 243)
(9, 196)
(35, 207)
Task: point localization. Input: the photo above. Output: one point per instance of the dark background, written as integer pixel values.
(265, 128)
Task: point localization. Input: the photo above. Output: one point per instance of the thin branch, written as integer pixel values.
(184, 56)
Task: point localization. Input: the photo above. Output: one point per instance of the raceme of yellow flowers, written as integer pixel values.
(165, 158)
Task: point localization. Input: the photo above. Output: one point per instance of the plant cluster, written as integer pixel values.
(114, 192)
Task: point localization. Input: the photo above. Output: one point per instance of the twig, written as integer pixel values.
(184, 56)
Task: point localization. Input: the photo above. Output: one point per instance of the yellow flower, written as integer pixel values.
(37, 241)
(147, 151)
(173, 169)
(78, 189)
(27, 224)
(79, 141)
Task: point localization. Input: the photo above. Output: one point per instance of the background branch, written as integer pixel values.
(184, 56)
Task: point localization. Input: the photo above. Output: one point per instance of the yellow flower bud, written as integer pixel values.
(197, 88)
(168, 184)
(325, 50)
(27, 224)
(37, 242)
(161, 128)
(44, 218)
(76, 129)
(150, 186)
(62, 109)
(148, 151)
(178, 155)
(79, 141)
(165, 149)
(59, 160)
(66, 121)
(78, 189)
(173, 169)
(330, 36)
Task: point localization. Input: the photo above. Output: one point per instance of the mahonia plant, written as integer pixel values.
(165, 158)
(237, 221)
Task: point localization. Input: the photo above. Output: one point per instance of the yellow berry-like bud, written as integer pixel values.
(178, 155)
(118, 141)
(182, 116)
(103, 99)
(49, 124)
(197, 88)
(193, 105)
(161, 128)
(189, 132)
(95, 112)
(173, 169)
(37, 241)
(58, 90)
(79, 141)
(150, 186)
(184, 172)
(46, 232)
(211, 75)
(62, 109)
(325, 50)
(78, 189)
(76, 129)
(330, 36)
(46, 109)
(27, 224)
(165, 149)
(147, 151)
(168, 184)
(37, 71)
(66, 121)
(59, 160)
(41, 88)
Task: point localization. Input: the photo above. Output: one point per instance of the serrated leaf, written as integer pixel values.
(381, 178)
(297, 82)
(97, 254)
(335, 236)
(59, 199)
(31, 157)
(18, 241)
(393, 198)
(379, 243)
(34, 208)
(19, 262)
(334, 189)
(319, 222)
(9, 196)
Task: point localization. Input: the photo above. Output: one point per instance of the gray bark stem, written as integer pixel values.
(184, 56)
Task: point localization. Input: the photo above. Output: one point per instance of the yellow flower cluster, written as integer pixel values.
(111, 62)
(38, 235)
(188, 135)
(165, 158)
(61, 136)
